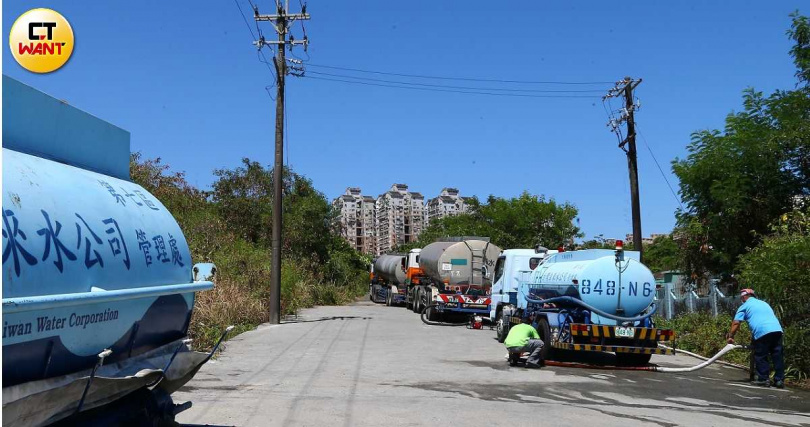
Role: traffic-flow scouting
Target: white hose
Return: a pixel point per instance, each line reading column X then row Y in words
column 719, row 354
column 695, row 355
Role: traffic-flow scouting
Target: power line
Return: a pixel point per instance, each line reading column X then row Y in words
column 450, row 90
column 678, row 199
column 263, row 58
column 471, row 79
column 458, row 87
column 253, row 36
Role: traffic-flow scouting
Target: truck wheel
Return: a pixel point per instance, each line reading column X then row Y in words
column 632, row 359
column 434, row 315
column 417, row 303
column 501, row 328
column 545, row 334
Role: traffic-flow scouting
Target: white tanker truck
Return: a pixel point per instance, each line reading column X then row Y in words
column 451, row 276
column 388, row 280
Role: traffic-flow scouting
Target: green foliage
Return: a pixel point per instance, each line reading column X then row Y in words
column 231, row 227
column 735, row 182
column 663, row 254
column 800, row 33
column 597, row 242
column 704, row 334
column 779, row 268
column 519, row 222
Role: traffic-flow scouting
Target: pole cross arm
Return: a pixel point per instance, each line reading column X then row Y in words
column 288, row 17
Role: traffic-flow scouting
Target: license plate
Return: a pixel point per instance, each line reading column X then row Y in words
column 625, row 332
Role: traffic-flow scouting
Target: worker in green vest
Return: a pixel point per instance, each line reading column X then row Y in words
column 524, row 338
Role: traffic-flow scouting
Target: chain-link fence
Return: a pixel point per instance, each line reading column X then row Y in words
column 671, row 305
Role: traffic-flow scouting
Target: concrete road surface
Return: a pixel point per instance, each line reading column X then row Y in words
column 371, row 365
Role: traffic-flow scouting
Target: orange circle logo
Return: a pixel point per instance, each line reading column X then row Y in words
column 41, row 40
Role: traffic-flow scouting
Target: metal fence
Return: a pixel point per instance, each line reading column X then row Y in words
column 671, row 305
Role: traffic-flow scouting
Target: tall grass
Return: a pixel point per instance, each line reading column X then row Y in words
column 704, row 334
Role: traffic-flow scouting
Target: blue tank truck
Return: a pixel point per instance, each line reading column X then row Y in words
column 98, row 285
column 597, row 300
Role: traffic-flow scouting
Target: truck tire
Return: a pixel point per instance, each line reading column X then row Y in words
column 412, row 295
column 417, row 302
column 388, row 297
column 545, row 334
column 632, row 359
column 433, row 314
column 501, row 328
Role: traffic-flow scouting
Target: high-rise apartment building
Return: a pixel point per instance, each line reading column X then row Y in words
column 400, row 217
column 447, row 203
column 356, row 220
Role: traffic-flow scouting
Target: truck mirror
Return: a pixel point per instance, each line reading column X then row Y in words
column 485, row 271
column 204, row 271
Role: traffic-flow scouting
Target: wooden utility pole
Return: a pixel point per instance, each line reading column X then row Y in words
column 624, row 88
column 632, row 167
column 281, row 21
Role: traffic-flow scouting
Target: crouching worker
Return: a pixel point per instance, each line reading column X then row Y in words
column 524, row 338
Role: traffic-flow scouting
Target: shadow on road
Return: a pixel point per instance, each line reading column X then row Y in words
column 323, row 319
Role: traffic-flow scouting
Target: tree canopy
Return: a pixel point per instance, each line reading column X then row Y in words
column 519, row 222
column 734, row 182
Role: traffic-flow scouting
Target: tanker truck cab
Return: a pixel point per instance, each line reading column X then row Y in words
column 591, row 300
column 512, row 267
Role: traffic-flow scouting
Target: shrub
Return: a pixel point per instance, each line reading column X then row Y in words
column 318, row 267
column 704, row 334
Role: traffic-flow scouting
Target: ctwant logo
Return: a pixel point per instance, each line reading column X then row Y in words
column 41, row 40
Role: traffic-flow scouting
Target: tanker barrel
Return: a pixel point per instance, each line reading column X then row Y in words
column 466, row 262
column 593, row 276
column 389, row 267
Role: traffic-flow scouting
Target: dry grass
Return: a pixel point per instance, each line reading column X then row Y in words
column 231, row 304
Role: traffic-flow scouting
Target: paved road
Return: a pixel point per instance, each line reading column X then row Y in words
column 371, row 365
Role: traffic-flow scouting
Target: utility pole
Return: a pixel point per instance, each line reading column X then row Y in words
column 624, row 88
column 281, row 22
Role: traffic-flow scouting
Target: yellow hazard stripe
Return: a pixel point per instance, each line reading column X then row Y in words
column 615, row 349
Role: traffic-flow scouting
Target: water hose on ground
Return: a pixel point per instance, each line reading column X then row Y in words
column 706, row 363
column 722, row 362
column 432, row 323
column 652, row 368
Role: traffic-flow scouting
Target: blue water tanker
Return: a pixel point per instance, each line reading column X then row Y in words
column 98, row 281
column 586, row 300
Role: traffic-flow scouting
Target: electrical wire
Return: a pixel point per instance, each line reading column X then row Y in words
column 418, row 76
column 457, row 87
column 450, row 90
column 245, row 19
column 260, row 54
column 659, row 167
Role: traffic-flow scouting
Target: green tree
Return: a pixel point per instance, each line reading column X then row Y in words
column 779, row 270
column 735, row 182
column 662, row 254
column 519, row 222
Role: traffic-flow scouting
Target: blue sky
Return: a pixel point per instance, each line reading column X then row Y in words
column 184, row 79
